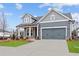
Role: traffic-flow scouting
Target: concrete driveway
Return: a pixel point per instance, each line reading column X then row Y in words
column 37, row 48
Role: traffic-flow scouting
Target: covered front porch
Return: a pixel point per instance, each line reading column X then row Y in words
column 27, row 31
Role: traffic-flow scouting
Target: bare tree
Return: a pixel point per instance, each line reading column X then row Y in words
column 1, row 22
column 4, row 25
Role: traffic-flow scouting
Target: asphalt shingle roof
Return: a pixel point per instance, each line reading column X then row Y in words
column 68, row 15
column 38, row 18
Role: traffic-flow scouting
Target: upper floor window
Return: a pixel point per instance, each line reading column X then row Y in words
column 27, row 20
column 52, row 17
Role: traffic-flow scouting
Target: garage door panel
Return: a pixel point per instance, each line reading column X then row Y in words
column 53, row 33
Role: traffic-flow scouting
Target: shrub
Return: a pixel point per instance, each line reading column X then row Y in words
column 74, row 34
column 13, row 37
column 37, row 38
column 27, row 38
column 69, row 39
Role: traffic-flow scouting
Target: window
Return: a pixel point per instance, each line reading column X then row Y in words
column 52, row 17
column 27, row 19
column 24, row 20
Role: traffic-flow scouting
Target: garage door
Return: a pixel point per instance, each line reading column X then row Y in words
column 54, row 33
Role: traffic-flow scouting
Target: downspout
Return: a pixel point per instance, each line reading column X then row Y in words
column 70, row 24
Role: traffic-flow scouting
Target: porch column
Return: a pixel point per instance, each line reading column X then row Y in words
column 37, row 30
column 18, row 34
column 34, row 34
column 29, row 31
column 25, row 32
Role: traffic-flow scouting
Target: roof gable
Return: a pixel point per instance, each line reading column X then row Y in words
column 24, row 15
column 61, row 15
column 68, row 15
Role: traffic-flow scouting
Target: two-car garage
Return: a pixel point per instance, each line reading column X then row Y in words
column 53, row 33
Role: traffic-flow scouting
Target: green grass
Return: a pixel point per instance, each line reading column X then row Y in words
column 73, row 46
column 14, row 43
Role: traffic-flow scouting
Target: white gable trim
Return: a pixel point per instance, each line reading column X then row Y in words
column 62, row 15
column 54, row 21
column 23, row 16
column 44, row 16
column 56, row 12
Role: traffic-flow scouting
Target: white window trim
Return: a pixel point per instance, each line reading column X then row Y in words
column 53, row 27
column 52, row 17
column 27, row 20
column 53, row 21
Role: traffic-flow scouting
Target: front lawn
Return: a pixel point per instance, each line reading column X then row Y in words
column 13, row 43
column 73, row 46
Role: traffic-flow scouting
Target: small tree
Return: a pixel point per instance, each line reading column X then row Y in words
column 3, row 23
column 13, row 37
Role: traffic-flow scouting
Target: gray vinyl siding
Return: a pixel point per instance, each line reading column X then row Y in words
column 57, row 16
column 56, row 24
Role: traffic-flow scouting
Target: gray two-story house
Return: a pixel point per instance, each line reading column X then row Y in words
column 52, row 25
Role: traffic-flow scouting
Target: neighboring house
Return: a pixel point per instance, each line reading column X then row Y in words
column 77, row 31
column 5, row 33
column 53, row 25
